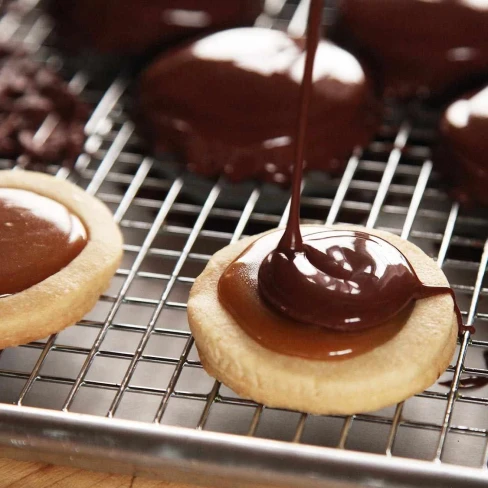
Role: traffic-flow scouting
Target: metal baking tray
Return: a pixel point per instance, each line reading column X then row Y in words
column 123, row 390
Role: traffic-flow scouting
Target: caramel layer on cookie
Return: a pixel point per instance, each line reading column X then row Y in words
column 38, row 237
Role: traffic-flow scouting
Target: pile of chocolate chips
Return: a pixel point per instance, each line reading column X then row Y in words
column 41, row 121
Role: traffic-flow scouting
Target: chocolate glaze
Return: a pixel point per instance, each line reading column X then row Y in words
column 29, row 93
column 463, row 147
column 420, row 47
column 132, row 26
column 331, row 284
column 38, row 237
column 228, row 104
column 239, row 294
column 341, row 280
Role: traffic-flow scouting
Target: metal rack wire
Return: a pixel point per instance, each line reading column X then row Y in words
column 133, row 356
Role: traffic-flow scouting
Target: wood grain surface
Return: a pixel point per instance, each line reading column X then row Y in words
column 16, row 474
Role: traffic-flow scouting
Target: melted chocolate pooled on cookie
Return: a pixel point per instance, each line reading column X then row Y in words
column 239, row 292
column 463, row 147
column 38, row 237
column 41, row 121
column 341, row 280
column 332, row 280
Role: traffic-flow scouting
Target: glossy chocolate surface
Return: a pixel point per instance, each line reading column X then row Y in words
column 340, row 279
column 463, row 147
column 239, row 294
column 228, row 104
column 132, row 26
column 421, row 47
column 38, row 237
column 41, row 121
column 343, row 280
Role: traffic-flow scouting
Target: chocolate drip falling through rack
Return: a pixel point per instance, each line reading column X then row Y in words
column 133, row 356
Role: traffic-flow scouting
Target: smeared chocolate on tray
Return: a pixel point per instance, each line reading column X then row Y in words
column 131, row 27
column 418, row 47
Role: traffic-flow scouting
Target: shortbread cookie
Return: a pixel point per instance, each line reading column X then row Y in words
column 68, row 272
column 406, row 364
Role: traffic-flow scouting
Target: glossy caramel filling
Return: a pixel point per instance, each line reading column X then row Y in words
column 38, row 238
column 239, row 294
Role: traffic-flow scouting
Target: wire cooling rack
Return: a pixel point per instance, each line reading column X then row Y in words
column 131, row 362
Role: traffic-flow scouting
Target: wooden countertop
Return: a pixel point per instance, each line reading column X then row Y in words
column 16, row 474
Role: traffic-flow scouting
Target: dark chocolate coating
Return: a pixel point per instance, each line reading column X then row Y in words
column 340, row 279
column 422, row 47
column 463, row 147
column 132, row 26
column 29, row 93
column 229, row 103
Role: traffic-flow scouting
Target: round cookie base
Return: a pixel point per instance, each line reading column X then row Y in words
column 407, row 364
column 65, row 297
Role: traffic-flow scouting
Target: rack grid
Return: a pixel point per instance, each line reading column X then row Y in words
column 133, row 358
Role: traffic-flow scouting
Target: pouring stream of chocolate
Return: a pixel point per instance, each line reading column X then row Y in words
column 326, row 281
column 292, row 238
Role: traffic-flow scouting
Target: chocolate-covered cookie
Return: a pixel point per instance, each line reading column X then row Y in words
column 228, row 104
column 463, row 146
column 425, row 48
